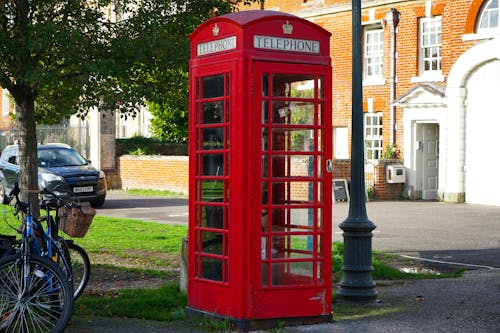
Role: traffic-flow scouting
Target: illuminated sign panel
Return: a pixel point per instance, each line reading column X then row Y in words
column 286, row 44
column 216, row 46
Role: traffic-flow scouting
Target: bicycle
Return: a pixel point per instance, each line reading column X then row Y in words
column 74, row 254
column 35, row 294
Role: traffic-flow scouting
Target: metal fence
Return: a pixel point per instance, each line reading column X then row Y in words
column 75, row 136
column 369, row 174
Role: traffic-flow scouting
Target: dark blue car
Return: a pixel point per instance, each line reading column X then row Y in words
column 61, row 170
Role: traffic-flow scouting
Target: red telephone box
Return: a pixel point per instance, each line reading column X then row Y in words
column 260, row 170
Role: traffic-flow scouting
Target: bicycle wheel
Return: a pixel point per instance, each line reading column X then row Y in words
column 40, row 302
column 80, row 267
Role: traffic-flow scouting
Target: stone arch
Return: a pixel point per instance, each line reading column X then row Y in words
column 466, row 64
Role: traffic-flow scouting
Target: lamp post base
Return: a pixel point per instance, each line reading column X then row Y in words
column 357, row 284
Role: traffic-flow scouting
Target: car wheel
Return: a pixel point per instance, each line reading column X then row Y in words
column 2, row 194
column 98, row 202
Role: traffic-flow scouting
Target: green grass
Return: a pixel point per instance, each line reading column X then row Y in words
column 160, row 193
column 164, row 304
column 119, row 236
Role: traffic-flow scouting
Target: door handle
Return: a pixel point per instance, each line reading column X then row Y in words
column 329, row 166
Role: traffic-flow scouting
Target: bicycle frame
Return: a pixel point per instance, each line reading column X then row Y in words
column 29, row 244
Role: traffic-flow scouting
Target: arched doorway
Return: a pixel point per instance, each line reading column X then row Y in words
column 482, row 119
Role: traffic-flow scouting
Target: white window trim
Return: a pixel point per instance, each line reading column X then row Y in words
column 483, row 33
column 373, row 79
column 432, row 75
column 485, row 9
column 373, row 138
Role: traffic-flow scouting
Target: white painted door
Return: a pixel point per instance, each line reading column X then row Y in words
column 482, row 158
column 430, row 161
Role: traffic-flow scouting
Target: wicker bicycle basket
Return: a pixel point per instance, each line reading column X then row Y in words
column 75, row 222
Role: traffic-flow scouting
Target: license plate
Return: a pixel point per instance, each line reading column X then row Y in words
column 83, row 189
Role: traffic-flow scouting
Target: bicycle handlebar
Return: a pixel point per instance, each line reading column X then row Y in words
column 55, row 202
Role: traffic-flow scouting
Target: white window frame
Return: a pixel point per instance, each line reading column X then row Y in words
column 122, row 128
column 373, row 135
column 145, row 122
column 5, row 103
column 373, row 56
column 489, row 16
column 430, row 33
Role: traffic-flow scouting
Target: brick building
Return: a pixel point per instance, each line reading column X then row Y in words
column 431, row 88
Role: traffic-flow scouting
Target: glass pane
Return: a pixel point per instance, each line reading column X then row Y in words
column 213, row 216
column 265, row 194
column 320, row 166
column 292, row 165
column 265, row 112
column 265, row 84
column 291, row 192
column 292, row 219
column 264, row 166
column 213, row 164
column 213, row 112
column 212, row 190
column 293, row 273
column 211, row 268
column 213, row 138
column 320, row 87
column 291, row 247
column 320, row 114
column 291, row 139
column 264, row 220
column 264, row 275
column 293, row 85
column 294, row 113
column 212, row 242
column 213, row 86
column 265, row 138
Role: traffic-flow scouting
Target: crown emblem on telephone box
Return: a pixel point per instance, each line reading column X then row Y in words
column 215, row 30
column 287, row 28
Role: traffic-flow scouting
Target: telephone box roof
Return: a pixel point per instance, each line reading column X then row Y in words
column 250, row 17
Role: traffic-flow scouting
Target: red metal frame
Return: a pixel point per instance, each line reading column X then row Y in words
column 260, row 196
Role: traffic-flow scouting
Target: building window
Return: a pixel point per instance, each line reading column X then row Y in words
column 5, row 103
column 490, row 16
column 373, row 55
column 122, row 128
column 430, row 45
column 373, row 135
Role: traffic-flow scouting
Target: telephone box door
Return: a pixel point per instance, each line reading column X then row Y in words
column 291, row 245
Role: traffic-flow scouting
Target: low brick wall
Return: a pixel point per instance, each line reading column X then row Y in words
column 158, row 172
column 382, row 189
column 154, row 172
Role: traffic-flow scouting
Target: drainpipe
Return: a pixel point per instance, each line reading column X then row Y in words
column 392, row 19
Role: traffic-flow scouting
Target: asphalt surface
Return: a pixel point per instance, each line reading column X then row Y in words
column 456, row 235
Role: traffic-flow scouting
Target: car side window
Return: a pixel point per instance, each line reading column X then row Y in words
column 12, row 159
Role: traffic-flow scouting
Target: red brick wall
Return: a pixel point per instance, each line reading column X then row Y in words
column 154, row 172
column 459, row 18
column 383, row 190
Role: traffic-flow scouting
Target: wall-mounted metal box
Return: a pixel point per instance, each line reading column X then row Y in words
column 395, row 174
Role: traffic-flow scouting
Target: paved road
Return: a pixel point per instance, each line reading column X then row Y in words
column 462, row 233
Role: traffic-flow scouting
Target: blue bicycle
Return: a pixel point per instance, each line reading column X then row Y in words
column 36, row 295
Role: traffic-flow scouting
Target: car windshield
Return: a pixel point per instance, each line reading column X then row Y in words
column 51, row 158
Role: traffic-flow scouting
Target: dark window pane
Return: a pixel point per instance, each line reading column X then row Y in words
column 213, row 86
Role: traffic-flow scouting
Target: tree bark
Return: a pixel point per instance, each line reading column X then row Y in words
column 28, row 152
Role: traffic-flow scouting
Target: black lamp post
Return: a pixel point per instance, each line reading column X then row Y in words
column 357, row 283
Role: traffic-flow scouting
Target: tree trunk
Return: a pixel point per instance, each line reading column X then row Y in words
column 28, row 156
